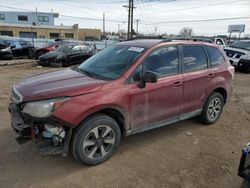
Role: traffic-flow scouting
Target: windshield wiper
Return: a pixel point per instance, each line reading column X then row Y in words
column 90, row 74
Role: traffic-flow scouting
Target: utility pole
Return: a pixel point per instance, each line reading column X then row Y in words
column 155, row 30
column 137, row 24
column 103, row 25
column 130, row 17
column 129, row 11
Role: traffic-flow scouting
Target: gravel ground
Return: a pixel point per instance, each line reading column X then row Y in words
column 184, row 155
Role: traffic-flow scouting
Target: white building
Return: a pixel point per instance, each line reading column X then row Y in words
column 30, row 18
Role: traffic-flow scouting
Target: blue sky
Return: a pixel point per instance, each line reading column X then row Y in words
column 151, row 13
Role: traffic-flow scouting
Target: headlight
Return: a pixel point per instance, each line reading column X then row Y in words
column 42, row 109
column 247, row 56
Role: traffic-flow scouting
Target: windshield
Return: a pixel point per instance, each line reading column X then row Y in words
column 242, row 45
column 65, row 49
column 111, row 62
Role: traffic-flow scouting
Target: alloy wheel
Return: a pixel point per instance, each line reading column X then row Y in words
column 99, row 142
column 214, row 109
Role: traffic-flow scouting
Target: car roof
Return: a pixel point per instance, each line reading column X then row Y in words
column 148, row 43
column 145, row 43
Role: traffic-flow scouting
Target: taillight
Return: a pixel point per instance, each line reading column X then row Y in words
column 231, row 70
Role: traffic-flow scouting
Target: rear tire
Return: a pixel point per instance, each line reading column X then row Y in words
column 212, row 108
column 96, row 139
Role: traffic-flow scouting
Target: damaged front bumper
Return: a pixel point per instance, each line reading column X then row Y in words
column 244, row 167
column 49, row 136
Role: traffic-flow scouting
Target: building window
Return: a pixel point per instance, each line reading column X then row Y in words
column 2, row 17
column 43, row 18
column 69, row 35
column 22, row 18
column 6, row 33
column 23, row 34
column 54, row 35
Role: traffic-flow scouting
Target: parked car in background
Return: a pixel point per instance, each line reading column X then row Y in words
column 239, row 55
column 244, row 166
column 65, row 55
column 51, row 46
column 127, row 88
column 5, row 51
column 20, row 48
column 219, row 41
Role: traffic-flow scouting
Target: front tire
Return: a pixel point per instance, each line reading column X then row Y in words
column 96, row 140
column 212, row 108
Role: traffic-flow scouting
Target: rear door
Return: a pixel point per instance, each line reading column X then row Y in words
column 196, row 78
column 158, row 103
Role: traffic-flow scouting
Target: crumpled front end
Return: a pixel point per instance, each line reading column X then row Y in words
column 48, row 133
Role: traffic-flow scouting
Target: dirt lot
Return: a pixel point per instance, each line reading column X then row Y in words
column 184, row 155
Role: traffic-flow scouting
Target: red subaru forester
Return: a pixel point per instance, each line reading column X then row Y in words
column 127, row 88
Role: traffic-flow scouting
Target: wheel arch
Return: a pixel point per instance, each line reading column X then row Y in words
column 223, row 92
column 115, row 112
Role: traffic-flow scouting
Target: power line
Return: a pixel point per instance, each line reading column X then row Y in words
column 145, row 25
column 143, row 19
column 198, row 7
column 92, row 19
column 205, row 20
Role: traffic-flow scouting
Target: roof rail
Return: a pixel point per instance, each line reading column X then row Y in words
column 187, row 39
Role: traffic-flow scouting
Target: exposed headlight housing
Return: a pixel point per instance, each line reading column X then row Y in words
column 5, row 49
column 43, row 109
column 247, row 56
column 59, row 57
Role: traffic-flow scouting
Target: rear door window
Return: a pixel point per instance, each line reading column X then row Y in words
column 215, row 56
column 194, row 58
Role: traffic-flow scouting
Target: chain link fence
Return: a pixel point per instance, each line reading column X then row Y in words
column 37, row 43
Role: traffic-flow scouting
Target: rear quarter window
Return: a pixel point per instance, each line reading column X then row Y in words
column 215, row 56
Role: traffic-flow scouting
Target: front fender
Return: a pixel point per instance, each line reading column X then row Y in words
column 80, row 107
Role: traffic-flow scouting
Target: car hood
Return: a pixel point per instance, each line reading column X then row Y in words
column 52, row 54
column 55, row 84
column 237, row 50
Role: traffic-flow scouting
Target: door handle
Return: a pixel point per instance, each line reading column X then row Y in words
column 211, row 75
column 177, row 84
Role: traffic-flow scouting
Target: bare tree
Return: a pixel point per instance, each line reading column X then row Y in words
column 186, row 32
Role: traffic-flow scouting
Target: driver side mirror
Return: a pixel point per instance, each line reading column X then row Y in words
column 148, row 77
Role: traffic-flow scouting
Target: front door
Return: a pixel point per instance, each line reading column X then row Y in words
column 158, row 103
